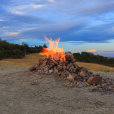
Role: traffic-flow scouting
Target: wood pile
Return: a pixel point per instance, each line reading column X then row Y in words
column 67, row 69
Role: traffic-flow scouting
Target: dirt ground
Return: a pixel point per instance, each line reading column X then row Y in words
column 49, row 95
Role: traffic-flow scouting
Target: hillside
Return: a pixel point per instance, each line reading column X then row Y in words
column 33, row 59
column 14, row 51
column 10, row 50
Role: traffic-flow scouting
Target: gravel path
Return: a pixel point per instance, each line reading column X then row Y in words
column 24, row 92
column 11, row 69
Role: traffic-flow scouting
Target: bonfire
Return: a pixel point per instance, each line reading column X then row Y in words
column 63, row 64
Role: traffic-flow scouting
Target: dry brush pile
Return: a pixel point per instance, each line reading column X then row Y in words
column 68, row 69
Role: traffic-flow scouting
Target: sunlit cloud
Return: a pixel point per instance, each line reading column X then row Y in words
column 90, row 51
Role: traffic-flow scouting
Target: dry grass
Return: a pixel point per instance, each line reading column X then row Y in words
column 33, row 59
column 95, row 67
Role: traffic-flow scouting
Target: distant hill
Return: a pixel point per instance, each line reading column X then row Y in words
column 91, row 58
column 18, row 51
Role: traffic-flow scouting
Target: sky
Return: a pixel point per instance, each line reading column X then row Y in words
column 81, row 25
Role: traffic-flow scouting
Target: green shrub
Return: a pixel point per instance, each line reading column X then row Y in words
column 1, row 51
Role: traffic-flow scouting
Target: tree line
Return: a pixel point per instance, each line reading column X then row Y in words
column 91, row 58
column 9, row 50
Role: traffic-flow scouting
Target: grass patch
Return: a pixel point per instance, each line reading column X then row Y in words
column 105, row 70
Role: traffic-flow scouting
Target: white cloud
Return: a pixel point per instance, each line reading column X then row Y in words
column 112, row 29
column 23, row 40
column 22, row 9
column 76, row 41
column 37, row 6
column 12, row 33
column 5, row 27
column 1, row 20
column 62, row 25
column 17, row 12
column 51, row 0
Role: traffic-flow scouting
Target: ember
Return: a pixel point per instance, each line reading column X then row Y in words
column 64, row 65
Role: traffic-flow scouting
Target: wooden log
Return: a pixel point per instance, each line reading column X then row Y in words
column 55, row 70
column 83, row 74
column 59, row 73
column 51, row 70
column 59, row 67
column 56, row 57
column 70, row 77
column 45, row 69
column 33, row 68
column 74, row 70
column 55, row 62
column 63, row 75
column 94, row 80
column 64, row 67
column 74, row 75
column 41, row 61
column 44, row 63
column 66, row 63
column 84, row 69
column 73, row 60
column 69, row 56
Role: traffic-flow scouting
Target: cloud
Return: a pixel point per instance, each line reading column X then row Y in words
column 37, row 6
column 51, row 0
column 76, row 42
column 17, row 22
column 1, row 20
column 11, row 33
column 109, row 51
column 97, row 7
column 72, row 7
column 55, row 30
column 23, row 40
column 23, row 9
column 74, row 20
column 91, row 51
column 29, row 19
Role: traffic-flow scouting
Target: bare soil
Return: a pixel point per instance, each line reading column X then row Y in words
column 25, row 92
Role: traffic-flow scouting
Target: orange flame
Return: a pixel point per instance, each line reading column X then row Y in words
column 53, row 49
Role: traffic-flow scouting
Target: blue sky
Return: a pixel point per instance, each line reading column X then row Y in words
column 82, row 25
